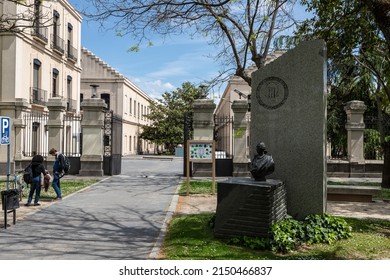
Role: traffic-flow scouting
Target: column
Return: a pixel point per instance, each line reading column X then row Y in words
column 203, row 121
column 55, row 123
column 355, row 130
column 92, row 127
column 203, row 124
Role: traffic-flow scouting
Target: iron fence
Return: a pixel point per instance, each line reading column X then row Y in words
column 35, row 134
column 72, row 141
column 223, row 129
column 376, row 131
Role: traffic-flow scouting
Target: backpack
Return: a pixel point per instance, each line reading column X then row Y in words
column 27, row 175
column 66, row 164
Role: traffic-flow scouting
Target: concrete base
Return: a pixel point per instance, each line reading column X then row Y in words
column 248, row 208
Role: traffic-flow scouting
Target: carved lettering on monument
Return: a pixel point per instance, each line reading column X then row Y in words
column 271, row 93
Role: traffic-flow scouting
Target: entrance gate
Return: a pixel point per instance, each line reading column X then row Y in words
column 223, row 127
column 112, row 139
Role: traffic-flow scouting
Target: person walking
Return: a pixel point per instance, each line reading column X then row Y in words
column 58, row 172
column 37, row 168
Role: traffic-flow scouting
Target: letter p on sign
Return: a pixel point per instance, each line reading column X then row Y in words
column 5, row 127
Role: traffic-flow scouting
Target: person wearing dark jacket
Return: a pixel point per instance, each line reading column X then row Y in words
column 58, row 172
column 37, row 168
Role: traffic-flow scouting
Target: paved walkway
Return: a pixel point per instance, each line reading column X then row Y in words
column 119, row 218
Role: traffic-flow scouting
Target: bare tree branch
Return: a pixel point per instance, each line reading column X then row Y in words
column 241, row 30
column 22, row 20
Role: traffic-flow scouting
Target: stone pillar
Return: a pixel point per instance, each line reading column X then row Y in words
column 21, row 106
column 203, row 124
column 203, row 121
column 55, row 123
column 13, row 110
column 240, row 159
column 355, row 130
column 92, row 127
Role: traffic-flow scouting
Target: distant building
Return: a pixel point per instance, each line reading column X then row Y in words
column 122, row 96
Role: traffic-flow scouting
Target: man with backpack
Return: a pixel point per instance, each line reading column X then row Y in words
column 58, row 171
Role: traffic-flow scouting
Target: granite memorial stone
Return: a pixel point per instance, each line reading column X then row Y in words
column 288, row 112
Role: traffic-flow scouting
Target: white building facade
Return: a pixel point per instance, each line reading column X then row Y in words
column 39, row 64
column 122, row 96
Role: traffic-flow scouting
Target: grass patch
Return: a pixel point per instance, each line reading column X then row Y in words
column 197, row 187
column 384, row 195
column 191, row 238
column 67, row 188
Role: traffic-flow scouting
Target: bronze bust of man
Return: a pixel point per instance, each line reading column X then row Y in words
column 262, row 164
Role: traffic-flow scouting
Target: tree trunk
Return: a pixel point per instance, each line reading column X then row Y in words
column 386, row 166
column 381, row 12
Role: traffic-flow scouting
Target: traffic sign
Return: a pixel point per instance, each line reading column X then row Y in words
column 5, row 128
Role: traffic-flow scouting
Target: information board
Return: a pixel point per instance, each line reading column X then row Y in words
column 200, row 151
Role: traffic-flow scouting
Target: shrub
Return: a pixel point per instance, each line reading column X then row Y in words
column 287, row 234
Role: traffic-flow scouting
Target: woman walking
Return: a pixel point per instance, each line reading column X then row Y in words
column 37, row 169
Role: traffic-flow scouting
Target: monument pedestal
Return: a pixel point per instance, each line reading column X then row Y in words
column 246, row 207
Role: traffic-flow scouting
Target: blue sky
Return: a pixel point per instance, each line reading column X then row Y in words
column 157, row 69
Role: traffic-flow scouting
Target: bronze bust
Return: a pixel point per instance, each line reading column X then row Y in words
column 262, row 164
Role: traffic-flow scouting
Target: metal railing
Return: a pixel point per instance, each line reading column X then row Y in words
column 223, row 128
column 40, row 33
column 38, row 96
column 57, row 43
column 71, row 52
column 71, row 105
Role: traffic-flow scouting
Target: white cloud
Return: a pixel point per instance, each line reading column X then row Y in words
column 154, row 88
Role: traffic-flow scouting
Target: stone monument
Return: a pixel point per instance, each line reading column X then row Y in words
column 248, row 207
column 288, row 112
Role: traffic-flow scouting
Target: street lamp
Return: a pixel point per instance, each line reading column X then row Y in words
column 94, row 91
column 203, row 89
column 248, row 97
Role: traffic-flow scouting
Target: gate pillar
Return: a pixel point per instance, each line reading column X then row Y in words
column 92, row 126
column 203, row 121
column 203, row 124
column 355, row 130
column 240, row 158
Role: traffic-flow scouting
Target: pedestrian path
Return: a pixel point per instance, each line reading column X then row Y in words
column 118, row 218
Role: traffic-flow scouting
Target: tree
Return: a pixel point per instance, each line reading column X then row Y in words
column 241, row 30
column 167, row 116
column 381, row 11
column 19, row 16
column 359, row 60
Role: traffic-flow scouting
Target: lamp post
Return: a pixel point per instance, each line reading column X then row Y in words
column 94, row 90
column 248, row 97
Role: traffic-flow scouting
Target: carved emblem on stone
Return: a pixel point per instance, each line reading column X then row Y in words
column 271, row 93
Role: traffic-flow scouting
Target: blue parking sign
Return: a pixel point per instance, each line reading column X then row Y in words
column 5, row 127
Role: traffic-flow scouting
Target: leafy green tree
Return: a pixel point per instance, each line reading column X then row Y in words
column 359, row 58
column 167, row 116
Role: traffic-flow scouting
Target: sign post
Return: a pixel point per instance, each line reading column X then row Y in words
column 5, row 128
column 200, row 151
